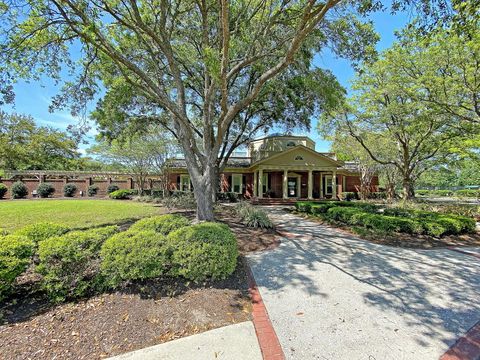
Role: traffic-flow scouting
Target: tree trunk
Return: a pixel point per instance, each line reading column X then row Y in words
column 204, row 189
column 204, row 197
column 390, row 187
column 408, row 192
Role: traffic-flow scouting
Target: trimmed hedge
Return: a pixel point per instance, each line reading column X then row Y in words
column 321, row 207
column 111, row 188
column 42, row 231
column 44, row 190
column 163, row 224
column 19, row 190
column 70, row 264
column 132, row 256
column 3, row 190
column 15, row 256
column 391, row 219
column 471, row 193
column 202, row 251
column 122, row 194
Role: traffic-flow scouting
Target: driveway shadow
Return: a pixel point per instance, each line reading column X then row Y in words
column 436, row 292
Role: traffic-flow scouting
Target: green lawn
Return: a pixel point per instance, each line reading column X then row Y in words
column 72, row 213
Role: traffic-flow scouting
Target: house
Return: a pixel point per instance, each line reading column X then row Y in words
column 280, row 166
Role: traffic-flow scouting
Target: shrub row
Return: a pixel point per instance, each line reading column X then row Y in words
column 397, row 220
column 79, row 263
column 321, row 207
column 44, row 190
column 448, row 193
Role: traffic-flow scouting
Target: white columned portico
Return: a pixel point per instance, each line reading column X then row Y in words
column 310, row 184
column 260, row 183
column 255, row 185
column 334, row 185
column 285, row 184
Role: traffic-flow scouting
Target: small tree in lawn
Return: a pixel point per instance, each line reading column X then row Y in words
column 139, row 153
column 349, row 150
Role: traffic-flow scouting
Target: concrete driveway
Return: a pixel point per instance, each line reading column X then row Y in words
column 333, row 296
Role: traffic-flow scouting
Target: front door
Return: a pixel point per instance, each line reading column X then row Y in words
column 292, row 187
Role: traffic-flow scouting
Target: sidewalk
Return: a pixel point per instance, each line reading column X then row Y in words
column 231, row 342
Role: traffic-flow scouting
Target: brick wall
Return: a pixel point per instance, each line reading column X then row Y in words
column 82, row 185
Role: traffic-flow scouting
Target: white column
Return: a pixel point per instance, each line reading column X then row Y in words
column 260, row 183
column 285, row 184
column 321, row 185
column 255, row 184
column 334, row 185
column 310, row 184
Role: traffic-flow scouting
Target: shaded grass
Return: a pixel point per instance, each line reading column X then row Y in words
column 75, row 214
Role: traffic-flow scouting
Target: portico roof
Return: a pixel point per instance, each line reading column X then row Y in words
column 299, row 155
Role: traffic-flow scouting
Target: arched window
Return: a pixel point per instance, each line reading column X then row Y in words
column 291, row 144
column 298, row 158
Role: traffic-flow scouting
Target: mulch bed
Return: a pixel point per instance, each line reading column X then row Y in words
column 405, row 240
column 249, row 239
column 141, row 315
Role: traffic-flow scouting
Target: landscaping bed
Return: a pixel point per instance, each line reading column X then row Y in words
column 395, row 226
column 103, row 291
column 249, row 239
column 140, row 315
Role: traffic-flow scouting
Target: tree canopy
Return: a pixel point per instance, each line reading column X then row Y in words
column 26, row 146
column 198, row 67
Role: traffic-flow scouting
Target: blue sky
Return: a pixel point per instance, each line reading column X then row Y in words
column 34, row 98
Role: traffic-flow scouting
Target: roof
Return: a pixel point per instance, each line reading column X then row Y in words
column 296, row 148
column 277, row 135
column 233, row 162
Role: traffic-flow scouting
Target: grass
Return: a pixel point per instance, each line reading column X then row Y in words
column 72, row 213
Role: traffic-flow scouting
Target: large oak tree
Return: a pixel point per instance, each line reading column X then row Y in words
column 202, row 64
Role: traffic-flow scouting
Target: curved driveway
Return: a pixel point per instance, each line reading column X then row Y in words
column 332, row 296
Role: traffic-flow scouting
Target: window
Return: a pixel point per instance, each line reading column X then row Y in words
column 237, row 183
column 184, row 183
column 265, row 183
column 328, row 185
column 291, row 144
column 298, row 158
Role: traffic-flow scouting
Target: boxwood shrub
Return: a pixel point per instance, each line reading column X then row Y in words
column 15, row 255
column 132, row 256
column 163, row 224
column 69, row 190
column 92, row 190
column 122, row 194
column 42, row 231
column 19, row 190
column 111, row 188
column 201, row 251
column 70, row 264
column 3, row 190
column 44, row 190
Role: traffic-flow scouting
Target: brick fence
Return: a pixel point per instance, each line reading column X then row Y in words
column 123, row 181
